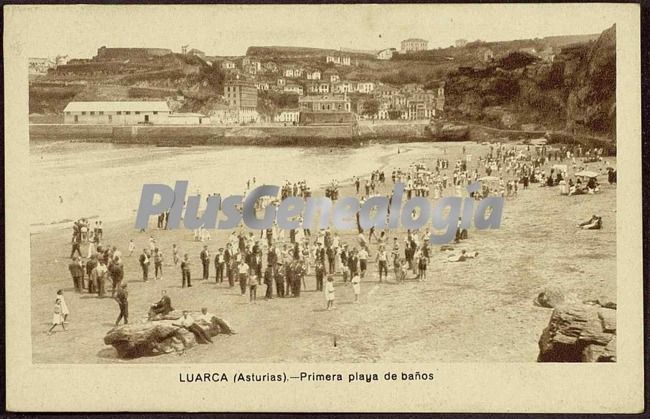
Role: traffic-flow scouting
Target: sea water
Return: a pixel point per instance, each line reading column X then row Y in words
column 69, row 180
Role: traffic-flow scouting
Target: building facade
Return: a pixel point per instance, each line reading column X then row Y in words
column 324, row 103
column 117, row 113
column 288, row 116
column 414, row 45
column 385, row 54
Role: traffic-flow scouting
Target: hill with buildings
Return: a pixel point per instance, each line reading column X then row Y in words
column 558, row 82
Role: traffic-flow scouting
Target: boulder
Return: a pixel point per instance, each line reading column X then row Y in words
column 158, row 337
column 550, row 298
column 579, row 333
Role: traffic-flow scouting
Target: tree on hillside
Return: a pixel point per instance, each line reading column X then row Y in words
column 371, row 107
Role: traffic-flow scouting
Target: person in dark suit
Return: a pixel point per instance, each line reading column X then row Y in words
column 76, row 271
column 320, row 274
column 219, row 264
column 122, row 298
column 185, row 271
column 268, row 281
column 144, row 264
column 164, row 306
column 76, row 243
column 279, row 280
column 205, row 261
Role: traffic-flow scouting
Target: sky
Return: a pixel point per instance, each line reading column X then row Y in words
column 79, row 31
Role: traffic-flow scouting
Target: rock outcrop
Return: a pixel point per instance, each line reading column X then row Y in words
column 579, row 333
column 575, row 92
column 159, row 336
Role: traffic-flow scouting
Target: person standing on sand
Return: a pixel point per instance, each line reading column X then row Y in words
column 175, row 254
column 131, row 247
column 205, row 262
column 116, row 271
column 76, row 245
column 122, row 299
column 330, row 292
column 356, row 286
column 252, row 287
column 242, row 270
column 157, row 262
column 185, row 271
column 60, row 312
column 144, row 264
column 219, row 266
column 382, row 262
column 76, row 271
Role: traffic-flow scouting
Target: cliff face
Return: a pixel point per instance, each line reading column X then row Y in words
column 576, row 92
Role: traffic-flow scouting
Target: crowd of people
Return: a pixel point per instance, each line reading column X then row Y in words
column 276, row 263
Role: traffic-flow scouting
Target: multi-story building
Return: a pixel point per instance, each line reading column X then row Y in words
column 228, row 65
column 414, row 45
column 325, row 103
column 365, row 87
column 241, row 95
column 293, row 88
column 324, row 87
column 246, row 61
column 313, row 75
column 343, row 87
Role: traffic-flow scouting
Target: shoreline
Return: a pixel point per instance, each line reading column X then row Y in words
column 487, row 301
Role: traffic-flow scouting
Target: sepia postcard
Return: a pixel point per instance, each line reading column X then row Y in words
column 320, row 208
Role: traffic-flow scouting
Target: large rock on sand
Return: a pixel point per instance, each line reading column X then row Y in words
column 579, row 333
column 156, row 337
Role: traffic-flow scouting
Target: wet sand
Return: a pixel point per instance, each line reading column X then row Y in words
column 478, row 311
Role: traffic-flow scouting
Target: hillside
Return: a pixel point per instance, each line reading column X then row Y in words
column 154, row 78
column 576, row 92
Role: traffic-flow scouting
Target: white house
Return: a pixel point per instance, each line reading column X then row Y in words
column 117, row 113
column 313, row 75
column 288, row 115
column 293, row 88
column 228, row 65
column 338, row 59
column 365, row 87
column 385, row 54
column 323, row 88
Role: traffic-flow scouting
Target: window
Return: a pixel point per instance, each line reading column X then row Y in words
column 101, row 112
column 137, row 112
column 83, row 113
column 155, row 112
column 68, row 113
column 119, row 112
column 127, row 113
column 92, row 112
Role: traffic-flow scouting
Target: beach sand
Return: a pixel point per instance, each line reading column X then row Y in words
column 478, row 311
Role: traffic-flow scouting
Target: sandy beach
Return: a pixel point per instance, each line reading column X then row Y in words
column 478, row 311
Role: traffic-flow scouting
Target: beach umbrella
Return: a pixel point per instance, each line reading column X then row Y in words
column 587, row 173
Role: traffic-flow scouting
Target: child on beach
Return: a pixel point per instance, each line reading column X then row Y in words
column 330, row 292
column 356, row 286
column 252, row 280
column 60, row 312
column 175, row 254
column 131, row 247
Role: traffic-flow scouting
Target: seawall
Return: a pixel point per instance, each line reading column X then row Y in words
column 184, row 135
